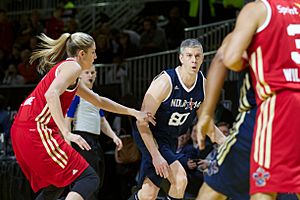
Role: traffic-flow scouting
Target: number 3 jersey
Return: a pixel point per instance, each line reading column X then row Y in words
column 177, row 112
column 274, row 53
column 275, row 65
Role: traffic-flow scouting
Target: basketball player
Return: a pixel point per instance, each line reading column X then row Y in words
column 175, row 97
column 269, row 32
column 39, row 129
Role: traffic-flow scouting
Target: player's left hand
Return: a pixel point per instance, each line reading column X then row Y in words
column 145, row 117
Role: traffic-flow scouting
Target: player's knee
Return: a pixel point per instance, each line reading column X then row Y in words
column 263, row 196
column 95, row 181
column 180, row 182
column 87, row 183
column 148, row 193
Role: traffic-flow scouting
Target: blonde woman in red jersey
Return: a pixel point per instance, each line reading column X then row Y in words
column 39, row 130
column 269, row 31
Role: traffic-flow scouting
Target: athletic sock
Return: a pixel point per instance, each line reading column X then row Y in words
column 171, row 198
column 134, row 196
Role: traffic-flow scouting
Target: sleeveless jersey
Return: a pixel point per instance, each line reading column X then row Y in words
column 35, row 109
column 176, row 114
column 43, row 155
column 275, row 62
column 274, row 52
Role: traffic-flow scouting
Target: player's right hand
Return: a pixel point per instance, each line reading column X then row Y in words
column 161, row 166
column 78, row 140
column 205, row 126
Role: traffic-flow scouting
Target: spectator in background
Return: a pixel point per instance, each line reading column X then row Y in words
column 128, row 48
column 36, row 27
column 72, row 25
column 134, row 36
column 175, row 28
column 33, row 43
column 4, row 118
column 12, row 77
column 2, row 65
column 224, row 127
column 190, row 161
column 104, row 49
column 23, row 32
column 15, row 56
column 55, row 25
column 153, row 39
column 27, row 70
column 6, row 33
column 183, row 140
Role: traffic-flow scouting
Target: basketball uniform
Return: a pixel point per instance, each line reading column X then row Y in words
column 233, row 157
column 43, row 155
column 173, row 118
column 275, row 65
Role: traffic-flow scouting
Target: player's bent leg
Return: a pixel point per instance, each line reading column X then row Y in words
column 85, row 185
column 49, row 193
column 149, row 190
column 178, row 180
column 263, row 196
column 207, row 193
column 74, row 196
column 298, row 196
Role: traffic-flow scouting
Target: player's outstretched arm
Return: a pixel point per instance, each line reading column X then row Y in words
column 111, row 106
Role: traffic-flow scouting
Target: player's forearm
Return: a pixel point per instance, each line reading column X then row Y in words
column 54, row 104
column 106, row 128
column 112, row 106
column 68, row 121
column 148, row 139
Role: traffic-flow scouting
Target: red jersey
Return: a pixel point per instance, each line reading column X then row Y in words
column 35, row 107
column 43, row 155
column 274, row 54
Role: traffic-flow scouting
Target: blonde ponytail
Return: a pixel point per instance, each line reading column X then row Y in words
column 52, row 51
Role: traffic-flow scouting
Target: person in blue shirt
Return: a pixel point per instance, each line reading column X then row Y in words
column 89, row 121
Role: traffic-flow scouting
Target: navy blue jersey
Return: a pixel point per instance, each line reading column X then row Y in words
column 232, row 178
column 173, row 118
column 247, row 96
column 176, row 114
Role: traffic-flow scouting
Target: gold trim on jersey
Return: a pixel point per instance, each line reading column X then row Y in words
column 231, row 139
column 244, row 108
column 263, row 137
column 262, row 87
column 49, row 142
column 244, row 104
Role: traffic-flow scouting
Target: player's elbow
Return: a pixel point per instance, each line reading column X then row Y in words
column 233, row 61
column 51, row 95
